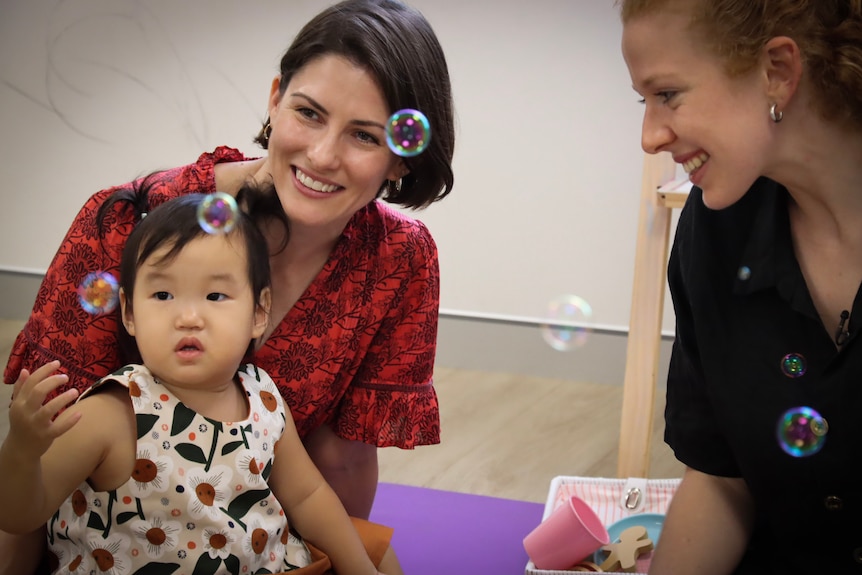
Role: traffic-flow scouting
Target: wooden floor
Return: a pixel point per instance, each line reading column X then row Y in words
column 504, row 435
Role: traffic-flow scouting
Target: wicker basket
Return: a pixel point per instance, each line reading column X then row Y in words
column 611, row 499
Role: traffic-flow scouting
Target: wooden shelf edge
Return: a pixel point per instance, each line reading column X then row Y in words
column 674, row 194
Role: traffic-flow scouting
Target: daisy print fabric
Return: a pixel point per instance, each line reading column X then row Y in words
column 197, row 502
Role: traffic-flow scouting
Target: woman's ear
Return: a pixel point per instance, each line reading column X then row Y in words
column 274, row 96
column 126, row 313
column 398, row 171
column 783, row 68
column 261, row 313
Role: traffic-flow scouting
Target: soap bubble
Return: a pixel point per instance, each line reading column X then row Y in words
column 793, row 365
column 98, row 293
column 408, row 132
column 801, row 431
column 562, row 310
column 217, row 213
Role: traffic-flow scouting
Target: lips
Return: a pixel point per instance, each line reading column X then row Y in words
column 189, row 345
column 314, row 184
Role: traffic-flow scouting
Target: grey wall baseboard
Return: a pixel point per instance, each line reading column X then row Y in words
column 465, row 343
column 19, row 292
column 462, row 343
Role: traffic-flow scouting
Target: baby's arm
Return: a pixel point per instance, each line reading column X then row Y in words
column 313, row 507
column 45, row 459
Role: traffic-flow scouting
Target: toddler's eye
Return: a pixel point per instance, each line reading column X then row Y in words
column 215, row 296
column 162, row 295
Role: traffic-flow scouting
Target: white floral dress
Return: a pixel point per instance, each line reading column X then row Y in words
column 197, row 502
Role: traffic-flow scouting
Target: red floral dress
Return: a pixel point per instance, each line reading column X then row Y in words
column 356, row 351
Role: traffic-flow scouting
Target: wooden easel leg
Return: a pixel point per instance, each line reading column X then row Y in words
column 642, row 352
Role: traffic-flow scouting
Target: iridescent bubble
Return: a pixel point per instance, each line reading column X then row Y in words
column 744, row 273
column 98, row 293
column 802, row 431
column 565, row 310
column 217, row 213
column 793, row 365
column 408, row 132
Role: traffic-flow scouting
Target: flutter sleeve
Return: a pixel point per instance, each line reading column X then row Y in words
column 391, row 401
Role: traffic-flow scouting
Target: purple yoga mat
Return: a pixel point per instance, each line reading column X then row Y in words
column 443, row 532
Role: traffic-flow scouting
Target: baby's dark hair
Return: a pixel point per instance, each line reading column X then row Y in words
column 175, row 223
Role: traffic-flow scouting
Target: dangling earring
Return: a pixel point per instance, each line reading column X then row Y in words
column 267, row 131
column 775, row 114
column 398, row 185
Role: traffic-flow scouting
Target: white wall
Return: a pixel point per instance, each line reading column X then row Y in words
column 548, row 159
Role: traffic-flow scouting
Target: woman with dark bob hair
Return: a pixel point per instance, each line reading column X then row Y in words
column 355, row 288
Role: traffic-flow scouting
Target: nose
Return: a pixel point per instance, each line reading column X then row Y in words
column 323, row 152
column 656, row 134
column 189, row 317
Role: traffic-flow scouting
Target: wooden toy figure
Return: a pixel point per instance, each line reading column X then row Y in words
column 623, row 555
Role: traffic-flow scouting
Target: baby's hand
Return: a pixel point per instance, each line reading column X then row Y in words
column 32, row 427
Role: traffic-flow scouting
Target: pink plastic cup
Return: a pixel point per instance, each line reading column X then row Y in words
column 569, row 535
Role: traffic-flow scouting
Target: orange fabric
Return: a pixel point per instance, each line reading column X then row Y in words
column 376, row 538
column 355, row 352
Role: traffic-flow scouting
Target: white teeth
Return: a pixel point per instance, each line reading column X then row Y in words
column 314, row 184
column 695, row 162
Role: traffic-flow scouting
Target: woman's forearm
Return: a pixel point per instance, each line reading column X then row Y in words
column 21, row 554
column 707, row 527
column 22, row 493
column 350, row 468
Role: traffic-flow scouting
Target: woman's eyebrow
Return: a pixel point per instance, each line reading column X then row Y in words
column 318, row 105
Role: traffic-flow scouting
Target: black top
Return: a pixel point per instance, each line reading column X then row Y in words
column 742, row 306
